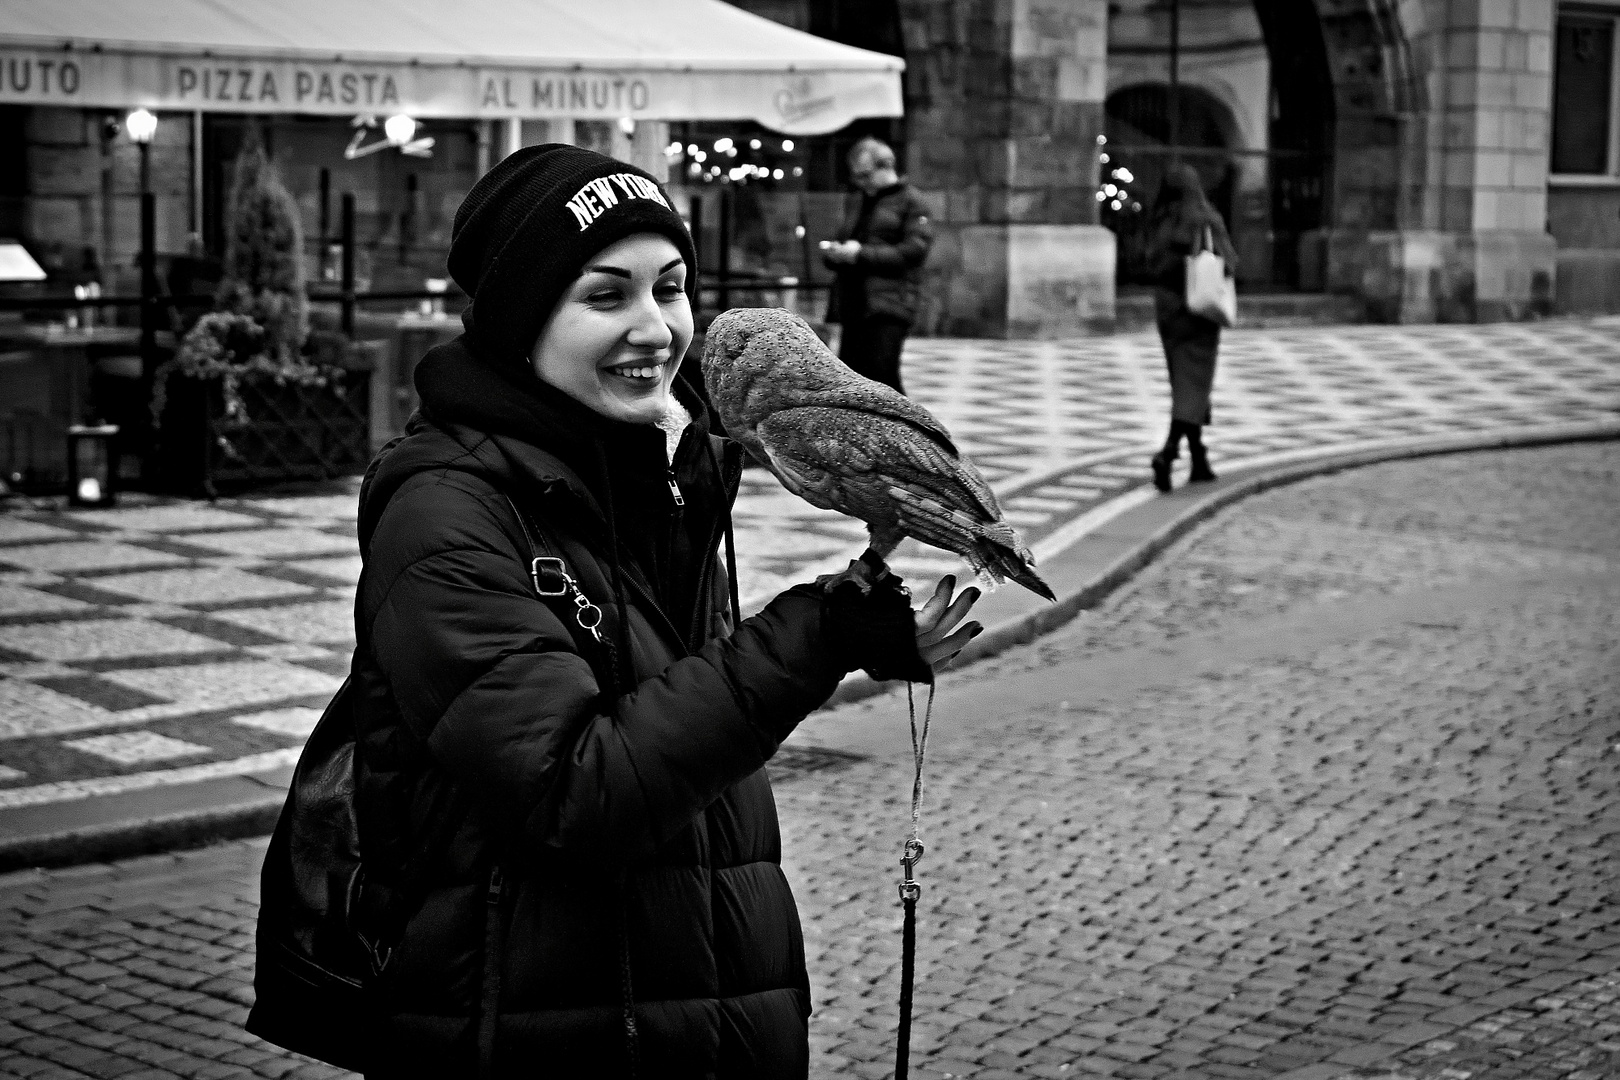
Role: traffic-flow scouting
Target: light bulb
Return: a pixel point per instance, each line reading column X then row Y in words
column 141, row 125
column 400, row 129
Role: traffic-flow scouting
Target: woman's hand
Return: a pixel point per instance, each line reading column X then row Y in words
column 939, row 638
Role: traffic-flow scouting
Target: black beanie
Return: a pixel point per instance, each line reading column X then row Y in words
column 526, row 229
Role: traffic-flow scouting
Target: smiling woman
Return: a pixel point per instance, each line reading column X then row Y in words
column 568, row 837
column 615, row 340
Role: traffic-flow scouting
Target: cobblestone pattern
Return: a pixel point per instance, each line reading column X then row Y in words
column 1390, row 856
column 176, row 618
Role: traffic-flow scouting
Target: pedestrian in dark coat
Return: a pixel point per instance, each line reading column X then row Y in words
column 569, row 843
column 1182, row 218
column 877, row 258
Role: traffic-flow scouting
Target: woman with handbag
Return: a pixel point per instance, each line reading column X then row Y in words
column 1184, row 224
column 568, row 839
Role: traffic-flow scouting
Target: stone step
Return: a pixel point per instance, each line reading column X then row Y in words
column 1134, row 311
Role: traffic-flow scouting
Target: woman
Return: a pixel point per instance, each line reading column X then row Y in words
column 1182, row 219
column 570, row 843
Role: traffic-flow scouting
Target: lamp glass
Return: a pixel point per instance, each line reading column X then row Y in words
column 92, row 465
column 141, row 125
column 400, row 129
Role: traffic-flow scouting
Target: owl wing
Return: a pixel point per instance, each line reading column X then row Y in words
column 852, row 461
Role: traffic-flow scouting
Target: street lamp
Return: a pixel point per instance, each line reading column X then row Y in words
column 142, row 125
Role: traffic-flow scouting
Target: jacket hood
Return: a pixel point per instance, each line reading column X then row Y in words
column 520, row 434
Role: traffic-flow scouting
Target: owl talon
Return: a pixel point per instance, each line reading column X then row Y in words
column 858, row 571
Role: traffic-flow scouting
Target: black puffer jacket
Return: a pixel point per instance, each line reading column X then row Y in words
column 642, row 828
column 886, row 278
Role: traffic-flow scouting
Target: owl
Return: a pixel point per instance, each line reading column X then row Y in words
column 846, row 443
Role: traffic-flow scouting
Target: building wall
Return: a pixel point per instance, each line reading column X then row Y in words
column 1004, row 106
column 83, row 190
column 1443, row 214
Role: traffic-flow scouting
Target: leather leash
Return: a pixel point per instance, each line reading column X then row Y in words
column 910, row 890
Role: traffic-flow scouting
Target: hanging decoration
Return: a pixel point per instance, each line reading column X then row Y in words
column 398, row 131
column 739, row 159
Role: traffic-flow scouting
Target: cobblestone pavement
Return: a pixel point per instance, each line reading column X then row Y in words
column 1328, row 789
column 166, row 642
column 1327, row 792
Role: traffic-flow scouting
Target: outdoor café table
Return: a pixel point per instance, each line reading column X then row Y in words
column 45, row 387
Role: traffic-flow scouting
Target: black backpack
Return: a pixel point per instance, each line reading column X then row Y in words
column 313, row 961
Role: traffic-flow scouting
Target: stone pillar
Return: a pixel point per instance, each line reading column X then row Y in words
column 1005, row 105
column 1470, row 242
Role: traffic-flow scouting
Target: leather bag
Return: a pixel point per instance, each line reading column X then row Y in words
column 1211, row 292
column 313, row 955
column 308, row 981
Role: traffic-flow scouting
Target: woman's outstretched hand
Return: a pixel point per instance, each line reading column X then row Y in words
column 939, row 637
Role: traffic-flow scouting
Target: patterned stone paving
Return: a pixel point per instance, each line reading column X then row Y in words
column 166, row 641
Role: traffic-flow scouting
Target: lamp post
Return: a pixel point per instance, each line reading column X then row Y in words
column 142, row 125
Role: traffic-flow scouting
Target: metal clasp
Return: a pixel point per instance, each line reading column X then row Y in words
column 587, row 614
column 550, row 576
column 909, row 889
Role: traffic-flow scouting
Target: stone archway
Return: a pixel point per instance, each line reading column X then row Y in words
column 1361, row 51
column 1138, row 130
column 1437, row 201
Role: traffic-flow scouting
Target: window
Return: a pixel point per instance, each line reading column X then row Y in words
column 1584, row 84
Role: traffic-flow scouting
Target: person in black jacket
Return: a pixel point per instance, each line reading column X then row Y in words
column 1183, row 222
column 569, row 843
column 877, row 258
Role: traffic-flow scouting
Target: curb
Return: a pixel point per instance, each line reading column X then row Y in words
column 145, row 836
column 256, row 816
column 1026, row 627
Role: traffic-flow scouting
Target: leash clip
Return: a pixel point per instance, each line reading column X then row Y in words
column 909, row 889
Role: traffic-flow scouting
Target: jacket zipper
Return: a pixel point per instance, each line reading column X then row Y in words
column 674, row 488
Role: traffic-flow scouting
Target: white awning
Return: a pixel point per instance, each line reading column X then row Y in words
column 485, row 59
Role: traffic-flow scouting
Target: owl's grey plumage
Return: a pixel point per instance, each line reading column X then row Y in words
column 846, row 443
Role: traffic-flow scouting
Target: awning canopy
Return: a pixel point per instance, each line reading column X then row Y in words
column 585, row 59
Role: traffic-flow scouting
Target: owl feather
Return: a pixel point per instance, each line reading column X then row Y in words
column 843, row 442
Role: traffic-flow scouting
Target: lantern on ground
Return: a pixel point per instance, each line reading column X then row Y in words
column 92, row 461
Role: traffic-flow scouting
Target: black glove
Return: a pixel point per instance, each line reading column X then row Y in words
column 872, row 627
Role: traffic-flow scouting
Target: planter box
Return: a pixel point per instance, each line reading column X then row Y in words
column 290, row 432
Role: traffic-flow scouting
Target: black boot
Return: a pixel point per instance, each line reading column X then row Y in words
column 1161, row 460
column 1201, row 472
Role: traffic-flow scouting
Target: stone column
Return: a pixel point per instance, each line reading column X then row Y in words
column 1005, row 100
column 1471, row 241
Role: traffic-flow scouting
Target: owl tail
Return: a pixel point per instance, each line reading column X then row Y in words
column 1011, row 566
column 1009, row 562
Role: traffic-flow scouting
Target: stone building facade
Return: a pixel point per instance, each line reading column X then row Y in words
column 1450, row 160
column 1408, row 140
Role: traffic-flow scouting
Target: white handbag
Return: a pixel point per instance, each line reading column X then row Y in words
column 1211, row 292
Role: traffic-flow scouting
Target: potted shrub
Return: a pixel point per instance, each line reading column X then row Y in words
column 248, row 396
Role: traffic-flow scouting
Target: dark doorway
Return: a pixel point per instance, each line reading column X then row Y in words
column 1265, row 171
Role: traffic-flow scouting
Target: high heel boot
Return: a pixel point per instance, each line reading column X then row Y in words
column 1161, row 461
column 1201, row 472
